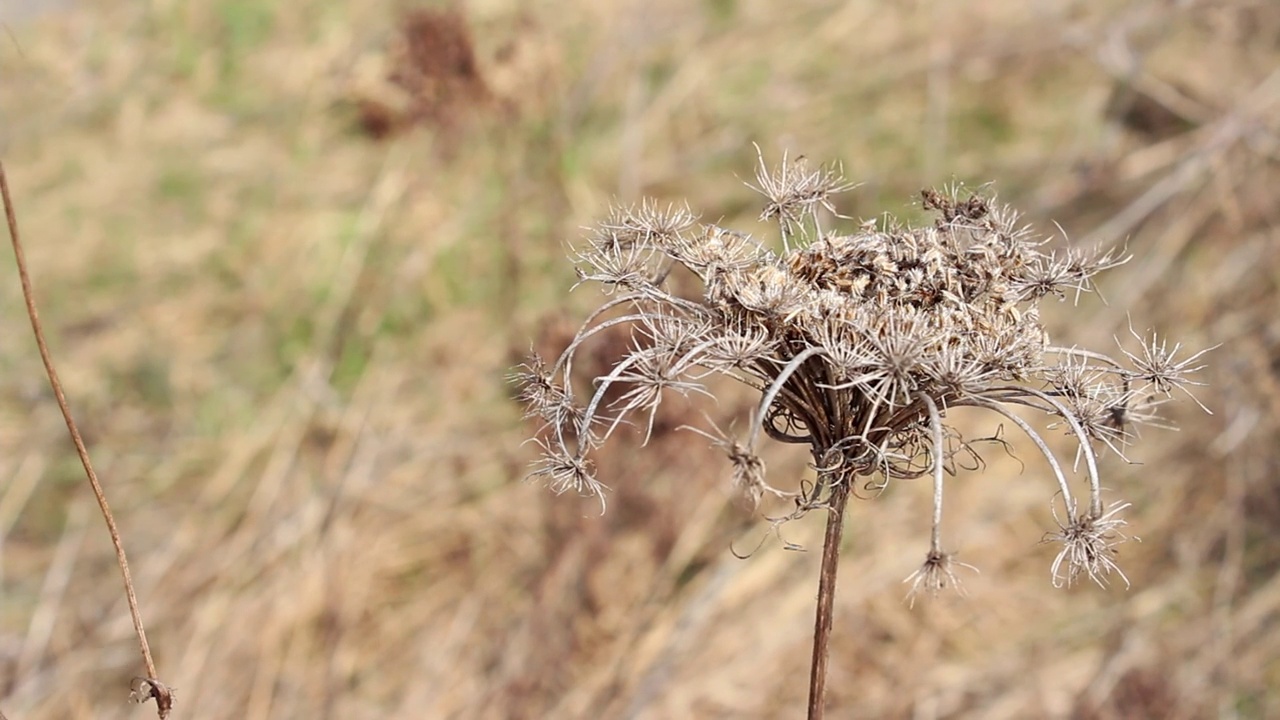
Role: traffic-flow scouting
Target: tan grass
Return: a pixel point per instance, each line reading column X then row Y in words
column 287, row 345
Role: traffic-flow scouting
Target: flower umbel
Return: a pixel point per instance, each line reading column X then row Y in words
column 858, row 345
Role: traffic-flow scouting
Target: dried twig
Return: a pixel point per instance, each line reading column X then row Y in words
column 143, row 688
column 825, row 613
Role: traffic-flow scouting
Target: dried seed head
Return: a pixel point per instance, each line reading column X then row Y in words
column 648, row 225
column 935, row 574
column 564, row 471
column 858, row 345
column 1089, row 547
column 543, row 397
column 1155, row 365
column 795, row 192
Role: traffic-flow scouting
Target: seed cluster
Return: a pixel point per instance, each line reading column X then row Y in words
column 858, row 345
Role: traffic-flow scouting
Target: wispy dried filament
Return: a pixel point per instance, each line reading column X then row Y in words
column 858, row 346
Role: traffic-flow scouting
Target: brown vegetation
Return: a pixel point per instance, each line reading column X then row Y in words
column 434, row 72
column 287, row 348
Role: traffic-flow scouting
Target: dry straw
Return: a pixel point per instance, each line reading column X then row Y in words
column 858, row 346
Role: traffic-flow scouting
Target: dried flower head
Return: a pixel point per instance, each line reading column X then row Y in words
column 935, row 574
column 1088, row 546
column 858, row 346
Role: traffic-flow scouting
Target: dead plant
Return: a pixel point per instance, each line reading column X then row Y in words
column 858, row 345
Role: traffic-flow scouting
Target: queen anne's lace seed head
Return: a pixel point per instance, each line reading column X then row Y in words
column 858, row 345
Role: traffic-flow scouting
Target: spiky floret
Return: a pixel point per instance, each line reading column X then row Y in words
column 1089, row 547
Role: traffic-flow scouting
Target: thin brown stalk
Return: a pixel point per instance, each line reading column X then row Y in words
column 826, row 601
column 149, row 687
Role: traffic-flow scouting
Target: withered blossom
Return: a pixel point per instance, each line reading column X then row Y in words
column 858, row 346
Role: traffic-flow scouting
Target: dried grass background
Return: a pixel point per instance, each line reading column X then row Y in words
column 285, row 340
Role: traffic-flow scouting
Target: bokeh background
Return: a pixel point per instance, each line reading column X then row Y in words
column 287, row 251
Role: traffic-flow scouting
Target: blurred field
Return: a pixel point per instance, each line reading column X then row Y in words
column 286, row 342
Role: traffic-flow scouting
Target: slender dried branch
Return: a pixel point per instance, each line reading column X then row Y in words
column 825, row 614
column 144, row 688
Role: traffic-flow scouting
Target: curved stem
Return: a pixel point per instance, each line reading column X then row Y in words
column 776, row 387
column 589, row 416
column 826, row 600
column 1039, row 443
column 565, row 361
column 1081, row 352
column 1091, row 462
column 151, row 687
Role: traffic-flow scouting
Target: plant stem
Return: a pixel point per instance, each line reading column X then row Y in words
column 150, row 686
column 826, row 600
